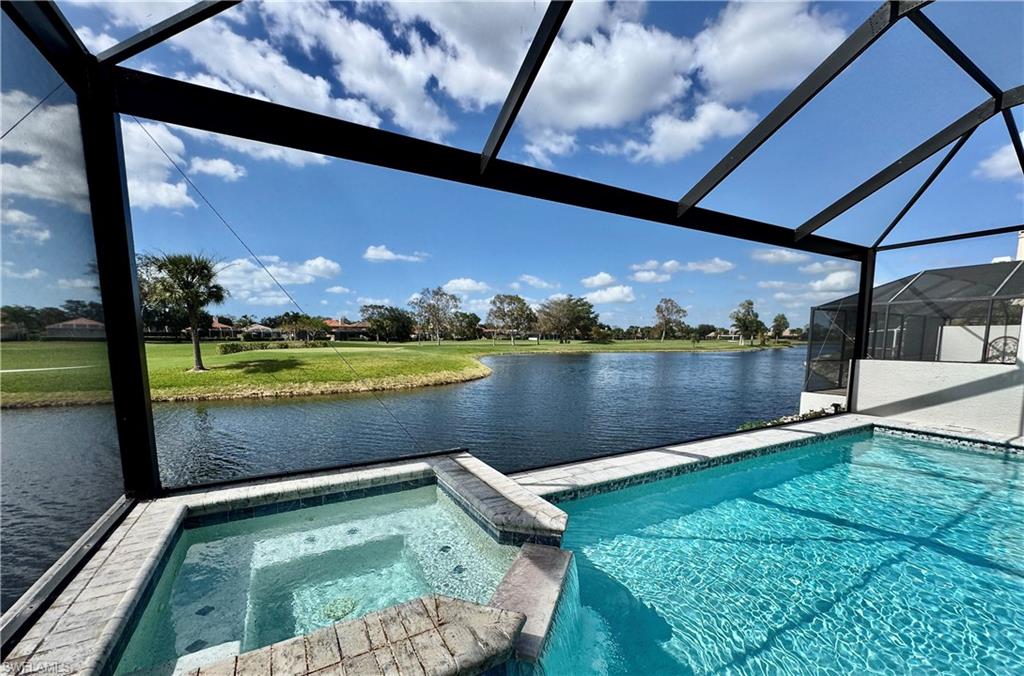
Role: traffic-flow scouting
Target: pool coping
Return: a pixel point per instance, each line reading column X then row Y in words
column 584, row 478
column 88, row 625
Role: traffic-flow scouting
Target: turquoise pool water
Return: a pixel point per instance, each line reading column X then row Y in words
column 241, row 585
column 863, row 554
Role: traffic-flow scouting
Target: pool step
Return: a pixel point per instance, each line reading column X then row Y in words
column 429, row 635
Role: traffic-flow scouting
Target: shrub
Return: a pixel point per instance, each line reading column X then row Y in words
column 234, row 348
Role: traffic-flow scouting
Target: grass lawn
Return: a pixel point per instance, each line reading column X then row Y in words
column 268, row 373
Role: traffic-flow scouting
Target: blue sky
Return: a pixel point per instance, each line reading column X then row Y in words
column 644, row 96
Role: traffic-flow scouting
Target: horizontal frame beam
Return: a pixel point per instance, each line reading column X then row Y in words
column 953, row 238
column 170, row 101
column 169, row 27
column 542, row 41
column 952, row 132
column 859, row 40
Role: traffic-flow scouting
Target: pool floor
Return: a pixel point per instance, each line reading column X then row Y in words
column 242, row 585
column 859, row 554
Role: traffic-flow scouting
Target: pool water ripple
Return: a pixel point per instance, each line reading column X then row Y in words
column 860, row 554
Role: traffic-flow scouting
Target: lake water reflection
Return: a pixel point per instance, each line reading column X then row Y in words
column 533, row 410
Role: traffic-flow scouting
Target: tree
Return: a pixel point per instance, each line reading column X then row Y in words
column 704, row 330
column 779, row 325
column 511, row 314
column 745, row 320
column 188, row 282
column 670, row 316
column 389, row 322
column 466, row 325
column 303, row 326
column 567, row 318
column 82, row 308
column 435, row 310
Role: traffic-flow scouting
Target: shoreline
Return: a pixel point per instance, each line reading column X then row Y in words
column 297, row 390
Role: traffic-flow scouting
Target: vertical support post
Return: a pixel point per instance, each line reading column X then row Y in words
column 863, row 325
column 115, row 262
column 988, row 332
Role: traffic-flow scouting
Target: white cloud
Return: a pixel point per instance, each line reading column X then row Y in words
column 671, row 138
column 616, row 74
column 255, row 66
column 777, row 284
column 365, row 300
column 600, row 279
column 1000, row 165
column 537, row 282
column 323, row 302
column 76, row 283
column 219, row 167
column 249, row 283
column 646, row 265
column 255, row 149
column 612, row 294
column 380, row 253
column 338, row 289
column 711, row 266
column 8, row 270
column 478, row 305
column 557, row 296
column 148, row 171
column 759, row 46
column 413, row 297
column 96, row 42
column 842, row 280
column 22, row 226
column 649, row 276
column 545, row 143
column 778, row 256
column 50, row 141
column 1002, row 259
column 821, row 267
column 464, row 285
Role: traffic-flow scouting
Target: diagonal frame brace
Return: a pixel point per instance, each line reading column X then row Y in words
column 169, row 27
column 952, row 132
column 924, row 186
column 884, row 18
column 542, row 41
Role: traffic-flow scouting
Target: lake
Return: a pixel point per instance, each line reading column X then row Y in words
column 533, row 410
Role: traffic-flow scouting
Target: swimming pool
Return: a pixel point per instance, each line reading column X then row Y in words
column 241, row 585
column 863, row 553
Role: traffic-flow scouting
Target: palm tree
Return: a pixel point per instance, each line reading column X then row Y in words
column 190, row 282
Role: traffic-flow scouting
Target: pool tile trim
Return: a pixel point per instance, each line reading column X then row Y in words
column 590, row 477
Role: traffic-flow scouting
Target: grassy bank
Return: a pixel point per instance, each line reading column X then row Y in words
column 276, row 373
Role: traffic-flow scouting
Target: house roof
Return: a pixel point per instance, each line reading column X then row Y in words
column 258, row 327
column 78, row 323
column 218, row 325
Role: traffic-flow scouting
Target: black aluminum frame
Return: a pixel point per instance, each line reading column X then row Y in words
column 106, row 90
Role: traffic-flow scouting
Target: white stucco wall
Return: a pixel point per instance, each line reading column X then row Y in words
column 987, row 397
column 816, row 401
column 963, row 343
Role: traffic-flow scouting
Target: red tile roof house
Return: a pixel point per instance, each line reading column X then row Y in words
column 220, row 330
column 343, row 331
column 77, row 328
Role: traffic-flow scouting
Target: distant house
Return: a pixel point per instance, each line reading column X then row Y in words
column 82, row 328
column 792, row 333
column 724, row 334
column 12, row 331
column 221, row 330
column 261, row 331
column 347, row 331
